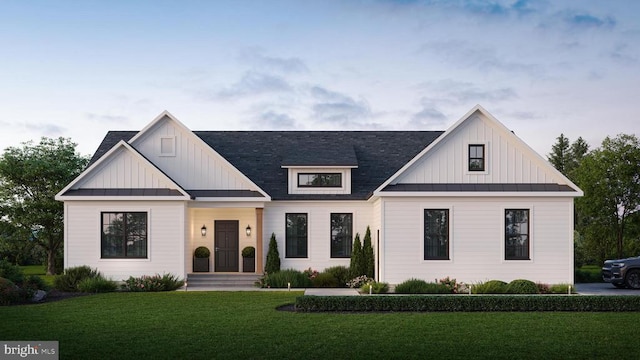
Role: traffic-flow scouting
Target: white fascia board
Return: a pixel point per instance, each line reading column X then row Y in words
column 229, row 199
column 476, row 194
column 225, row 204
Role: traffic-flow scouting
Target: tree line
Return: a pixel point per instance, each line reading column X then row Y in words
column 607, row 217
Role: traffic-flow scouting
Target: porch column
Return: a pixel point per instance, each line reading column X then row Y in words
column 259, row 241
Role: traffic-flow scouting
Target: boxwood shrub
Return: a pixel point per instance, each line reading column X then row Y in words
column 341, row 273
column 466, row 303
column 521, row 286
column 417, row 286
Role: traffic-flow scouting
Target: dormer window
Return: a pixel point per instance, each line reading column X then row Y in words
column 476, row 157
column 319, row 180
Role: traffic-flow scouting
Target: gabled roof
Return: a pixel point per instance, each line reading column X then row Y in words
column 70, row 192
column 260, row 155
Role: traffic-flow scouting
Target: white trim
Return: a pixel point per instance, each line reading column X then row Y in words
column 319, row 166
column 172, row 153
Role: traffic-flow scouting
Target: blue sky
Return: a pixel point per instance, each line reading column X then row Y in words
column 80, row 68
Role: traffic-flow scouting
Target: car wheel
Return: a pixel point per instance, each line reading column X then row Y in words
column 633, row 279
column 620, row 286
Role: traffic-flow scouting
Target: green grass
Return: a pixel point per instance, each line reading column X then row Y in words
column 38, row 270
column 237, row 325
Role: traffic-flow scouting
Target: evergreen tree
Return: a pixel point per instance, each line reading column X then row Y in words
column 560, row 154
column 368, row 254
column 356, row 266
column 273, row 256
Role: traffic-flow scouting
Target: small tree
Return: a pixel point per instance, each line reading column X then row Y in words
column 357, row 265
column 367, row 252
column 273, row 256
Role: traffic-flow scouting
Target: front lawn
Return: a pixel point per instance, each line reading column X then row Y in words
column 237, row 325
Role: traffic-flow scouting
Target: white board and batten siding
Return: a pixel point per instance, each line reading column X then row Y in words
column 508, row 159
column 477, row 240
column 165, row 238
column 125, row 170
column 318, row 230
column 193, row 165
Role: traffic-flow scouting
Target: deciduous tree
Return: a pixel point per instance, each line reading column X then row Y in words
column 30, row 177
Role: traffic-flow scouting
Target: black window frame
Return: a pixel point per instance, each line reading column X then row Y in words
column 296, row 245
column 320, row 175
column 512, row 251
column 341, row 247
column 432, row 237
column 125, row 236
column 473, row 158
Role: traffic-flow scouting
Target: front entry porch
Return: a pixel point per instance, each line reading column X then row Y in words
column 225, row 232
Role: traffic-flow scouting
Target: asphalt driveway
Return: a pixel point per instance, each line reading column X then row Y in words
column 603, row 289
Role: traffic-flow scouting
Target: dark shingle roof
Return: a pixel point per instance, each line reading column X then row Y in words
column 260, row 155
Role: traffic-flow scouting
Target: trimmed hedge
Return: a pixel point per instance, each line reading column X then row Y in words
column 462, row 303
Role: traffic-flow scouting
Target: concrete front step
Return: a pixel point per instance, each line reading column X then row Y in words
column 222, row 279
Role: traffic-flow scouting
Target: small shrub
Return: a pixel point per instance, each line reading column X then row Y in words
column 97, row 285
column 31, row 284
column 451, row 284
column 283, row 278
column 171, row 282
column 341, row 273
column 9, row 292
column 72, row 277
column 561, row 289
column 357, row 282
column 146, row 283
column 489, row 287
column 521, row 286
column 417, row 286
column 325, row 280
column 11, row 272
column 201, row 252
column 375, row 288
column 543, row 288
column 249, row 252
column 311, row 274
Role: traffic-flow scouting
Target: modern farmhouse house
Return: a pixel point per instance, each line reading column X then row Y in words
column 473, row 202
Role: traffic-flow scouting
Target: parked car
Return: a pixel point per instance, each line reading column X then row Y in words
column 622, row 272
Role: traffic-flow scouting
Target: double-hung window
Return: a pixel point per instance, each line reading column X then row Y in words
column 517, row 241
column 436, row 234
column 296, row 235
column 341, row 235
column 476, row 157
column 124, row 235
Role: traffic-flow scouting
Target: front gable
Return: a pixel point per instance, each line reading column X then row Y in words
column 478, row 154
column 187, row 159
column 123, row 172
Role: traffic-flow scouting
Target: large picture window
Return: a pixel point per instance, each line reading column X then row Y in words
column 341, row 235
column 124, row 235
column 296, row 236
column 516, row 234
column 476, row 158
column 320, row 180
column 436, row 234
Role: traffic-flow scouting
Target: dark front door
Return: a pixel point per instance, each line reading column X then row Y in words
column 226, row 245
